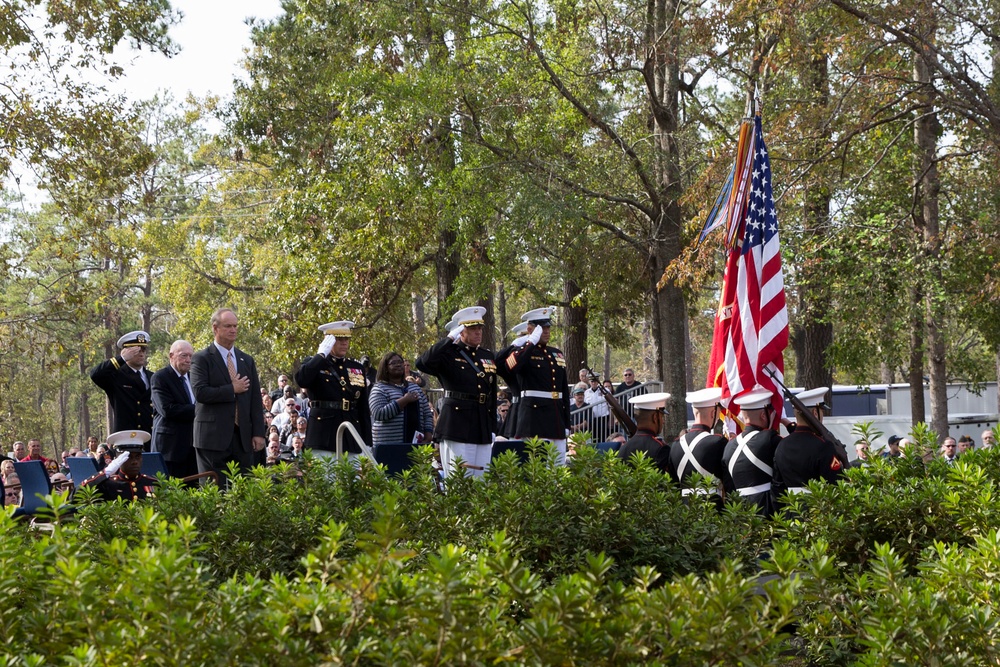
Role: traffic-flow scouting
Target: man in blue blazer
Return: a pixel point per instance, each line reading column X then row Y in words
column 173, row 425
column 229, row 413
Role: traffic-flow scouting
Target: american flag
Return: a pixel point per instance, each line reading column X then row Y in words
column 751, row 324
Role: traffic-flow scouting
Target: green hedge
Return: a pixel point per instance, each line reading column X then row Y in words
column 553, row 516
column 898, row 565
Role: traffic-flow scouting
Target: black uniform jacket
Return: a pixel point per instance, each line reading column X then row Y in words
column 802, row 456
column 337, row 393
column 469, row 409
column 130, row 398
column 120, row 486
column 648, row 442
column 708, row 453
column 542, row 369
column 743, row 473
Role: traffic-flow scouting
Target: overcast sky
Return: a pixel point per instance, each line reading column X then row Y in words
column 212, row 35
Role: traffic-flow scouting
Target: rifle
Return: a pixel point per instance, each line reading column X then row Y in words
column 815, row 424
column 616, row 408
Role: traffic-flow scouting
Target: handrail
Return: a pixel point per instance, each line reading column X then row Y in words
column 365, row 449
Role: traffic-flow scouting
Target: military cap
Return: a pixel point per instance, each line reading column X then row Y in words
column 341, row 329
column 704, row 398
column 757, row 398
column 540, row 316
column 470, row 317
column 812, row 398
column 134, row 339
column 128, row 440
column 654, row 401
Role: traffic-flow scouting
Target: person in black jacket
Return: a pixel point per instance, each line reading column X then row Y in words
column 173, row 425
column 699, row 450
column 749, row 457
column 467, row 420
column 338, row 393
column 805, row 455
column 649, row 411
column 126, row 381
column 540, row 373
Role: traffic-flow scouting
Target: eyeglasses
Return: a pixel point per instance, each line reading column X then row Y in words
column 628, row 375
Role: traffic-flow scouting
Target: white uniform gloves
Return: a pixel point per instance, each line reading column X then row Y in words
column 119, row 461
column 326, row 345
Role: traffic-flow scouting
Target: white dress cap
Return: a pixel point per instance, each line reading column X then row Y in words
column 704, row 398
column 128, row 439
column 134, row 339
column 470, row 317
column 812, row 397
column 542, row 316
column 757, row 398
column 341, row 329
column 656, row 401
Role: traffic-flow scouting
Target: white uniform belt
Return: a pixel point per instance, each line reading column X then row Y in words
column 531, row 393
column 799, row 489
column 699, row 492
column 753, row 490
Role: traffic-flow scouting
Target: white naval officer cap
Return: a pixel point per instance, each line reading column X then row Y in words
column 470, row 317
column 128, row 440
column 757, row 398
column 134, row 339
column 341, row 329
column 540, row 316
column 519, row 328
column 812, row 397
column 654, row 401
column 704, row 398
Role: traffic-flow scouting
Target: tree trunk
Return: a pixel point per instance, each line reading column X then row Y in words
column 501, row 311
column 668, row 310
column 926, row 130
column 574, row 343
column 815, row 333
column 417, row 310
column 84, row 430
column 915, row 373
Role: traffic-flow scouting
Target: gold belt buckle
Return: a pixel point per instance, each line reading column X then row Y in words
column 555, row 395
column 345, row 405
column 482, row 399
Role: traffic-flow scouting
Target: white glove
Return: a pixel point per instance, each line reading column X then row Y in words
column 535, row 335
column 520, row 341
column 456, row 332
column 119, row 461
column 326, row 345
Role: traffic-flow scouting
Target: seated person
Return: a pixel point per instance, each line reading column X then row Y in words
column 12, row 490
column 123, row 478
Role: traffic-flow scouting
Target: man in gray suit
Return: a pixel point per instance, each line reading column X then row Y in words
column 229, row 413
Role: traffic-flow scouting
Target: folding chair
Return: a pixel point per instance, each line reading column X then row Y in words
column 81, row 468
column 519, row 447
column 35, row 485
column 612, row 446
column 153, row 464
column 395, row 457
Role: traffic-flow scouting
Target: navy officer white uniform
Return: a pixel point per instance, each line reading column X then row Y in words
column 748, row 462
column 540, row 371
column 805, row 455
column 338, row 393
column 467, row 421
column 699, row 450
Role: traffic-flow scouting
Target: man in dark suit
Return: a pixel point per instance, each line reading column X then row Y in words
column 229, row 413
column 173, row 425
column 126, row 382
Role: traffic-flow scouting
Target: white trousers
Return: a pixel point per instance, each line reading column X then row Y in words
column 476, row 457
column 560, row 446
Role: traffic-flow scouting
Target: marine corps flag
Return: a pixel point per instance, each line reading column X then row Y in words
column 751, row 323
